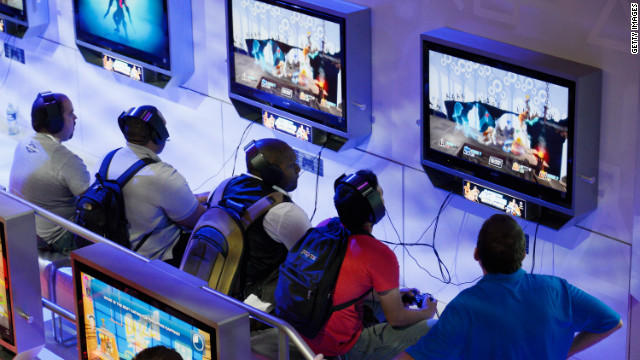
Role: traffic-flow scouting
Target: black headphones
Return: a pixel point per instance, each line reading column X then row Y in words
column 54, row 122
column 150, row 116
column 270, row 174
column 362, row 187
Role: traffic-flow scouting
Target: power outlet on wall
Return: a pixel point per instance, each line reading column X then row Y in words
column 526, row 243
column 310, row 163
column 13, row 53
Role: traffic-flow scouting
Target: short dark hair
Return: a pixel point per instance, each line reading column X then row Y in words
column 501, row 245
column 353, row 209
column 39, row 117
column 159, row 352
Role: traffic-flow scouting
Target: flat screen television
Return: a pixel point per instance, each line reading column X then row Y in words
column 6, row 318
column 305, row 61
column 21, row 323
column 13, row 9
column 136, row 29
column 23, row 18
column 125, row 305
column 149, row 41
column 515, row 120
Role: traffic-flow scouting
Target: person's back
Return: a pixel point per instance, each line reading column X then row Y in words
column 271, row 166
column 158, row 201
column 46, row 173
column 369, row 268
column 510, row 314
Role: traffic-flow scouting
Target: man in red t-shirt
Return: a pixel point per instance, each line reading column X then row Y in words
column 368, row 265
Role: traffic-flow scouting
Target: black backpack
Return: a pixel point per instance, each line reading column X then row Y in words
column 307, row 279
column 101, row 208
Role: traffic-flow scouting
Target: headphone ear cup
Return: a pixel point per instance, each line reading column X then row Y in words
column 272, row 175
column 55, row 125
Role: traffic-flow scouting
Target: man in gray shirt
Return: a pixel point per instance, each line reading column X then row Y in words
column 46, row 173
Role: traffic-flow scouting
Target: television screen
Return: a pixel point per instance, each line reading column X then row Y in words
column 6, row 326
column 137, row 29
column 289, row 57
column 13, row 9
column 487, row 117
column 119, row 321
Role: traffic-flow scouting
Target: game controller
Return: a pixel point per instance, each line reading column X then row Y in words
column 418, row 299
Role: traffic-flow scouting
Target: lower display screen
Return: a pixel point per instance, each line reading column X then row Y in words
column 119, row 322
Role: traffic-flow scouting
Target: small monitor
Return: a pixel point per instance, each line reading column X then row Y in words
column 307, row 61
column 521, row 123
column 125, row 304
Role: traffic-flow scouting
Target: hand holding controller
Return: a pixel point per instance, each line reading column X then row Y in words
column 414, row 297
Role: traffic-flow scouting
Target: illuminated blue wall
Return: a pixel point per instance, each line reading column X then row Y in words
column 595, row 255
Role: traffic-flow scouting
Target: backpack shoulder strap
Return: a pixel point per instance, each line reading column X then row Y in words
column 133, row 169
column 345, row 305
column 260, row 207
column 216, row 195
column 104, row 167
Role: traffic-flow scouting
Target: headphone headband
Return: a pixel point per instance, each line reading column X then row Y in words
column 366, row 190
column 149, row 115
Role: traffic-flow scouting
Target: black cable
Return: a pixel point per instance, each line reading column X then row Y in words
column 535, row 239
column 6, row 76
column 446, row 279
column 235, row 156
column 315, row 202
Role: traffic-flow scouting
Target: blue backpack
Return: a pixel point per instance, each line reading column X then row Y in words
column 307, row 279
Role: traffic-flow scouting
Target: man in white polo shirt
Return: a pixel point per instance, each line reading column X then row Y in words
column 46, row 173
column 159, row 204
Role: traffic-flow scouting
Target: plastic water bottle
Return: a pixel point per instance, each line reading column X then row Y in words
column 12, row 119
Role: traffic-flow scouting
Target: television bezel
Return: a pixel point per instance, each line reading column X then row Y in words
column 318, row 116
column 513, row 185
column 124, row 52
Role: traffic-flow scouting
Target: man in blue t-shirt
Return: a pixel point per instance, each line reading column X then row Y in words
column 510, row 314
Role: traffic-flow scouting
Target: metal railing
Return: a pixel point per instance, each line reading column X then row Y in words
column 285, row 331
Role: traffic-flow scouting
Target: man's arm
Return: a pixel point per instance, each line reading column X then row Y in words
column 190, row 221
column 587, row 339
column 397, row 315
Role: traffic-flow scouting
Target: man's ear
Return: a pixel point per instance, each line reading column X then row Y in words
column 475, row 254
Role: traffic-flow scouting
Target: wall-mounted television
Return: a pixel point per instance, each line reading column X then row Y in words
column 23, row 18
column 21, row 322
column 153, row 34
column 125, row 305
column 517, row 121
column 307, row 61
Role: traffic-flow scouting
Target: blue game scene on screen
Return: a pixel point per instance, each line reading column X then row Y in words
column 288, row 54
column 498, row 119
column 119, row 325
column 139, row 24
column 16, row 4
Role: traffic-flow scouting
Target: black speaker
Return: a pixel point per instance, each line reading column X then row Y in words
column 270, row 173
column 54, row 122
column 366, row 190
column 150, row 116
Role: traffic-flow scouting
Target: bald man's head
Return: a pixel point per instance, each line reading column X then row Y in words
column 279, row 154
